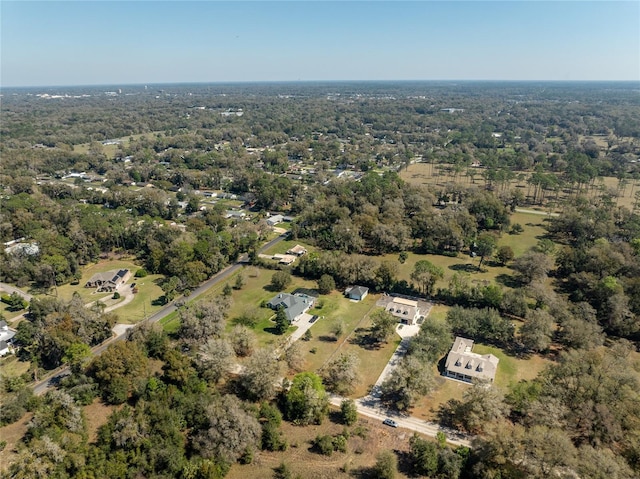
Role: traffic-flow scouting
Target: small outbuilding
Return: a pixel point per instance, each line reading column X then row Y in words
column 357, row 293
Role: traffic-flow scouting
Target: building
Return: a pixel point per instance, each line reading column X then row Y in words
column 285, row 259
column 109, row 280
column 466, row 366
column 357, row 293
column 274, row 220
column 297, row 250
column 406, row 310
column 6, row 334
column 236, row 215
column 294, row 305
column 4, row 348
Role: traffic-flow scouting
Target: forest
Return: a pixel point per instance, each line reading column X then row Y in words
column 511, row 207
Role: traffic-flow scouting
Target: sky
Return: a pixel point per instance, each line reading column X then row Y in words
column 138, row 42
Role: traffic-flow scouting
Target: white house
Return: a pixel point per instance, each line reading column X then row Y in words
column 406, row 310
column 466, row 366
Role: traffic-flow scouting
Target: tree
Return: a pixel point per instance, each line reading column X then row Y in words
column 326, row 284
column 348, row 412
column 536, row 332
column 423, row 455
column 425, row 273
column 270, row 418
column 75, row 355
column 16, row 302
column 260, row 376
column 118, row 369
column 229, row 431
column 282, row 322
column 407, row 383
column 215, row 358
column 280, row 280
column 243, row 340
column 239, row 282
column 383, row 326
column 504, row 254
column 294, row 357
column 203, row 320
column 532, row 266
column 306, row 402
column 170, row 288
column 341, row 374
column 485, row 245
column 482, row 405
column 386, row 465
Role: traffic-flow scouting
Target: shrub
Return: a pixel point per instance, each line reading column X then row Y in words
column 141, row 273
column 116, row 295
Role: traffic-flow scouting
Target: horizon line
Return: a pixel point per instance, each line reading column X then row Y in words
column 249, row 82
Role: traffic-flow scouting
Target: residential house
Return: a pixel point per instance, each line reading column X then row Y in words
column 357, row 293
column 237, row 215
column 4, row 348
column 297, row 250
column 406, row 310
column 294, row 305
column 285, row 259
column 466, row 366
column 274, row 220
column 6, row 334
column 109, row 280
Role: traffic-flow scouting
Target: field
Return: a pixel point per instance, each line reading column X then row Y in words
column 303, row 462
column 144, row 301
column 440, row 175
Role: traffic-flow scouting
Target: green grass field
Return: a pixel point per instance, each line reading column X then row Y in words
column 148, row 290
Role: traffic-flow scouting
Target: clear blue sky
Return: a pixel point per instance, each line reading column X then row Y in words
column 97, row 42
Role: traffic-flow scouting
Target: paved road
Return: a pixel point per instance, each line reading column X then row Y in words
column 536, row 212
column 120, row 333
column 430, row 429
column 371, row 406
column 12, row 289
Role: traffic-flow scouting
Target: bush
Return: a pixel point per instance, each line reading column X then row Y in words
column 324, row 444
column 327, row 444
column 116, row 295
column 141, row 273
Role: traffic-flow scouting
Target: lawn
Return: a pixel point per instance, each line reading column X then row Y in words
column 12, row 368
column 144, row 302
column 283, row 246
column 354, row 317
column 9, row 315
column 534, row 231
column 511, row 369
column 461, row 264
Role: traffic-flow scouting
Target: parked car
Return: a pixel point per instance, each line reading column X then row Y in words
column 390, row 422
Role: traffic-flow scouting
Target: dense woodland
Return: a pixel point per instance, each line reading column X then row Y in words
column 331, row 157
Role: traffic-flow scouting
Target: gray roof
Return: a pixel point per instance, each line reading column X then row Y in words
column 462, row 361
column 357, row 291
column 3, row 345
column 294, row 305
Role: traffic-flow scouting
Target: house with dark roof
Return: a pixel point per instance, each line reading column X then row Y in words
column 464, row 365
column 357, row 293
column 109, row 280
column 294, row 305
